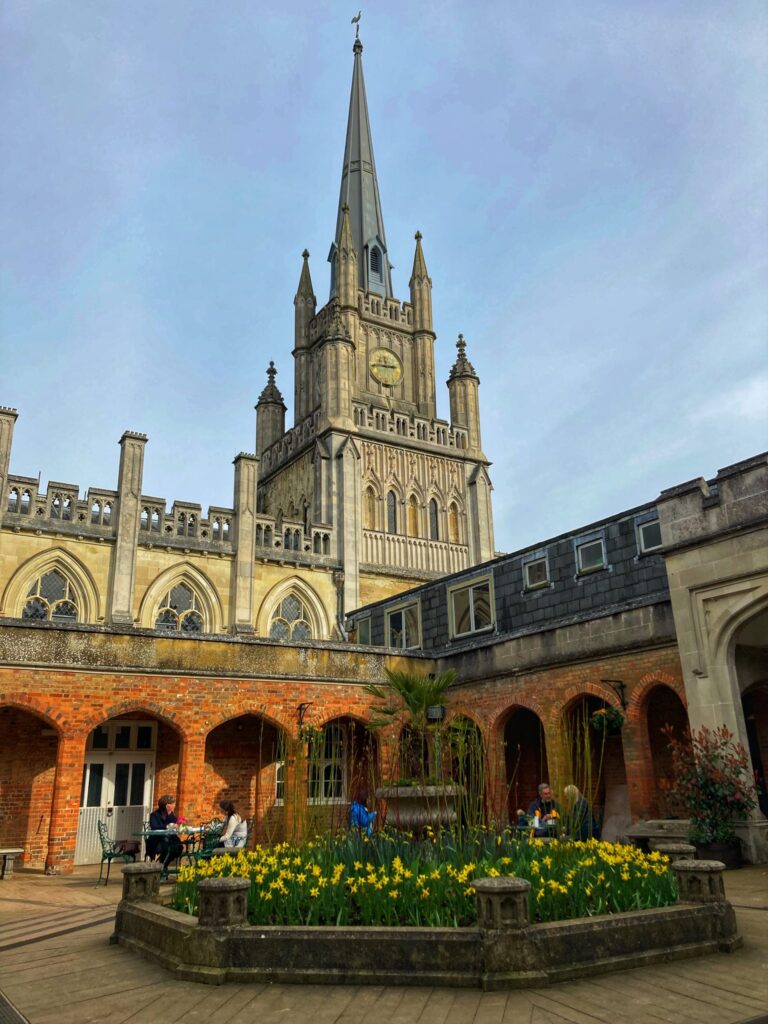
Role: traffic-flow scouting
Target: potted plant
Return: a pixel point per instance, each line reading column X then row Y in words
column 412, row 701
column 711, row 774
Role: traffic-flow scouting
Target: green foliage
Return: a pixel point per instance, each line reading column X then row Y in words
column 395, row 880
column 711, row 774
column 409, row 694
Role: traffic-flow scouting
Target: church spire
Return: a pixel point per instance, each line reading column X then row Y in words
column 360, row 192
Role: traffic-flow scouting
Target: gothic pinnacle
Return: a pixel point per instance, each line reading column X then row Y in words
column 419, row 263
column 271, row 392
column 462, row 367
column 305, row 290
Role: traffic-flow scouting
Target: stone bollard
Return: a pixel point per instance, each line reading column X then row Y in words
column 675, row 851
column 502, row 903
column 509, row 959
column 141, row 882
column 223, row 902
column 700, row 881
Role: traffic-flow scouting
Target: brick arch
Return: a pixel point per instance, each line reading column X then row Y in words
column 358, row 718
column 240, row 710
column 499, row 723
column 130, row 706
column 460, row 710
column 33, row 705
column 637, row 703
column 572, row 694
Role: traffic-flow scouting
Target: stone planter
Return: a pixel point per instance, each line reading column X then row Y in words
column 727, row 853
column 413, row 808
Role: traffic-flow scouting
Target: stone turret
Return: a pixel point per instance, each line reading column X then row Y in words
column 305, row 305
column 423, row 334
column 463, row 384
column 8, row 419
column 336, row 355
column 270, row 414
column 129, row 482
column 345, row 263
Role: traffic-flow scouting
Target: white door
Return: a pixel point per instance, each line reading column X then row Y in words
column 116, row 789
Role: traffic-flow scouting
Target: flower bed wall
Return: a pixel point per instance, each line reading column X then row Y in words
column 504, row 951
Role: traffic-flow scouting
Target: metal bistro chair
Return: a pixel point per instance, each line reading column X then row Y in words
column 210, row 840
column 110, row 849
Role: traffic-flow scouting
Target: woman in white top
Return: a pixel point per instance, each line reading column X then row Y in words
column 235, row 832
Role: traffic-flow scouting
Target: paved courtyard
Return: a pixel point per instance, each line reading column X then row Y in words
column 57, row 967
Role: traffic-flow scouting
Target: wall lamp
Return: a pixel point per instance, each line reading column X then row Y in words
column 301, row 710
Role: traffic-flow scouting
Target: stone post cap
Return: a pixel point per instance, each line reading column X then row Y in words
column 141, row 882
column 711, row 867
column 143, row 869
column 223, row 884
column 500, row 886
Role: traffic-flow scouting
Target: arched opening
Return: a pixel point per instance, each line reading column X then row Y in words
column 434, row 523
column 27, row 774
column 341, row 764
column 751, row 666
column 180, row 611
column 453, row 523
column 595, row 758
column 369, row 509
column 52, row 596
column 466, row 767
column 291, row 620
column 244, row 762
column 525, row 754
column 131, row 760
column 664, row 709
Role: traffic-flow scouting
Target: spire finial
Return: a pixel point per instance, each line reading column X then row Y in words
column 462, row 367
column 356, row 23
column 272, row 372
column 461, row 345
column 418, row 236
column 305, row 254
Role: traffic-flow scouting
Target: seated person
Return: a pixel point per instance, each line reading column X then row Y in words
column 578, row 817
column 163, row 848
column 359, row 815
column 543, row 805
column 235, row 832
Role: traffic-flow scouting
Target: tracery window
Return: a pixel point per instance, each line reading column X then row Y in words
column 52, row 597
column 391, row 512
column 180, row 611
column 434, row 530
column 13, row 500
column 290, row 620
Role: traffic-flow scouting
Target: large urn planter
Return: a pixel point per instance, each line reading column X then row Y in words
column 727, row 853
column 413, row 808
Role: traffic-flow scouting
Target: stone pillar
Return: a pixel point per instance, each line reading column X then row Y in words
column 504, row 921
column 223, row 902
column 65, row 806
column 191, row 773
column 480, row 510
column 348, row 522
column 127, row 536
column 700, row 881
column 7, row 420
column 141, row 883
column 242, row 612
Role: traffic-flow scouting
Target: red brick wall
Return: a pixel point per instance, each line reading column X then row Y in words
column 27, row 771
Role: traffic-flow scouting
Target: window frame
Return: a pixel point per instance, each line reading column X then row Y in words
column 585, row 542
column 365, row 621
column 542, row 584
column 321, row 763
column 401, row 607
column 112, row 727
column 470, row 585
column 642, row 547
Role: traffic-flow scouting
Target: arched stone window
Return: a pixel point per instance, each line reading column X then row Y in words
column 144, row 519
column 453, row 523
column 181, row 525
column 26, row 501
column 155, row 521
column 180, row 611
column 413, row 516
column 106, row 515
column 391, row 512
column 434, row 526
column 56, row 507
column 13, row 500
column 191, row 526
column 369, row 509
column 290, row 620
column 95, row 512
column 52, row 597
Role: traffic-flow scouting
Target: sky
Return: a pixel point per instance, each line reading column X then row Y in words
column 591, row 183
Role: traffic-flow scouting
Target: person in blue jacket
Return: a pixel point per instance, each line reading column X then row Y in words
column 359, row 816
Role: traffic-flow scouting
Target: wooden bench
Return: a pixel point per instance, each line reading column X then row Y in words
column 8, row 856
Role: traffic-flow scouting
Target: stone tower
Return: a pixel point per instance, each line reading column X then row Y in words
column 405, row 496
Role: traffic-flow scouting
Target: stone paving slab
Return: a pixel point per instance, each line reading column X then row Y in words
column 78, row 978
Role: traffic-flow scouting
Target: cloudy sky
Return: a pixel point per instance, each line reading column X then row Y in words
column 590, row 180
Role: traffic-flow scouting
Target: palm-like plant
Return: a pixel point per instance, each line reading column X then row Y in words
column 410, row 695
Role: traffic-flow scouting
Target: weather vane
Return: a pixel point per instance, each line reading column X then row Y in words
column 356, row 23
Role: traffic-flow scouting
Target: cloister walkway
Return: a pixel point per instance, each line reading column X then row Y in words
column 57, row 967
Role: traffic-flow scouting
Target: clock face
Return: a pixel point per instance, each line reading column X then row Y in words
column 385, row 367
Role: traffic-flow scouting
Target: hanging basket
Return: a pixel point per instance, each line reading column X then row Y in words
column 607, row 721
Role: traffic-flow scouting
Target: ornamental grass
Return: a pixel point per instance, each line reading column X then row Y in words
column 391, row 880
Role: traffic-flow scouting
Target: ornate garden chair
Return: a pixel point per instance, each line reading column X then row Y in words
column 111, row 849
